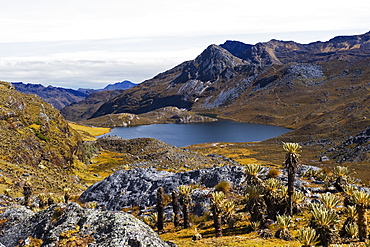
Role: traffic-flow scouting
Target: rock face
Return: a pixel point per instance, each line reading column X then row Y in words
column 71, row 225
column 356, row 148
column 138, row 187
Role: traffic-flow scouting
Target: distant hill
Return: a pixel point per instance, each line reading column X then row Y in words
column 61, row 97
column 120, row 85
column 57, row 96
column 320, row 89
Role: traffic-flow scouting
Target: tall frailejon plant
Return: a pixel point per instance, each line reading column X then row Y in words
column 185, row 200
column 67, row 194
column 291, row 164
column 217, row 202
column 175, row 208
column 27, row 192
column 160, row 209
column 362, row 202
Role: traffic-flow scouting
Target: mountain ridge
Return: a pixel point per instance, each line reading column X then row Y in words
column 61, row 97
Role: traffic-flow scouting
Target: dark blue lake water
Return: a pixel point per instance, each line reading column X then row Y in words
column 181, row 135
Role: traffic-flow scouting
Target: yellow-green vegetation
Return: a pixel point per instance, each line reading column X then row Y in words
column 232, row 238
column 88, row 133
column 37, row 144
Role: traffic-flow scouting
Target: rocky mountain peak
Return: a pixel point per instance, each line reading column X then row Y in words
column 209, row 65
column 237, row 48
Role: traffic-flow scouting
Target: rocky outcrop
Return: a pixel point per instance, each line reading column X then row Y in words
column 126, row 188
column 71, row 225
column 356, row 148
column 147, row 152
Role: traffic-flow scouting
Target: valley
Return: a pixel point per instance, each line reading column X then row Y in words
column 61, row 181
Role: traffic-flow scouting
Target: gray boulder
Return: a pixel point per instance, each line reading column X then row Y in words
column 126, row 188
column 63, row 224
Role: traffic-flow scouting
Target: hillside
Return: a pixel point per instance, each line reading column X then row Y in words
column 86, row 107
column 36, row 143
column 320, row 89
column 159, row 116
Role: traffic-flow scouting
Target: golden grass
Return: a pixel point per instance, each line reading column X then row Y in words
column 183, row 238
column 88, row 133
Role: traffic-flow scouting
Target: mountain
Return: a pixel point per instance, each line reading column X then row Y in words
column 85, row 108
column 319, row 89
column 61, row 97
column 57, row 96
column 120, row 85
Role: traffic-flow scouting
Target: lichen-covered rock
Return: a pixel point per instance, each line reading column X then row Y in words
column 71, row 225
column 354, row 149
column 126, row 188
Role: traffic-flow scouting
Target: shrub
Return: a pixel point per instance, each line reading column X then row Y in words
column 273, row 173
column 223, row 186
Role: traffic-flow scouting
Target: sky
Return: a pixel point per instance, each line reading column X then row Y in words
column 92, row 43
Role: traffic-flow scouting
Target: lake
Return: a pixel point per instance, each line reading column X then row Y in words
column 181, row 135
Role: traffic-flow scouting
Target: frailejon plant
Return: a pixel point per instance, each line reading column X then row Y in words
column 324, row 221
column 67, row 195
column 291, row 164
column 229, row 213
column 185, row 200
column 352, row 230
column 160, row 209
column 341, row 173
column 330, row 201
column 255, row 202
column 362, row 201
column 175, row 208
column 307, row 237
column 42, row 200
column 284, row 222
column 351, row 213
column 254, row 171
column 27, row 192
column 273, row 198
column 298, row 201
column 217, row 202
